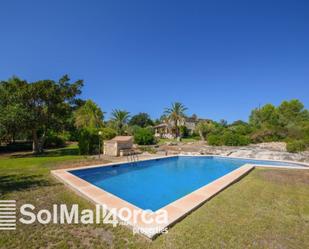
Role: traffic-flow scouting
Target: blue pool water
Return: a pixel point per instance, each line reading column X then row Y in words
column 155, row 183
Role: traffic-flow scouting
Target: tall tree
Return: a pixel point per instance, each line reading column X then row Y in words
column 291, row 112
column 13, row 111
column 89, row 115
column 266, row 116
column 45, row 105
column 175, row 114
column 142, row 119
column 120, row 119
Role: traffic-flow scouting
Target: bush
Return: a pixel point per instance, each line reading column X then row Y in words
column 73, row 135
column 267, row 135
column 296, row 146
column 214, row 140
column 88, row 142
column 132, row 129
column 144, row 136
column 184, row 131
column 17, row 146
column 234, row 139
column 241, row 129
column 228, row 138
column 108, row 133
column 54, row 141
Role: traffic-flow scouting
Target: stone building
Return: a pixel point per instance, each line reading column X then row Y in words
column 118, row 146
column 164, row 130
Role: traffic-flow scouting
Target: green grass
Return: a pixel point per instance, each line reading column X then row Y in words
column 266, row 209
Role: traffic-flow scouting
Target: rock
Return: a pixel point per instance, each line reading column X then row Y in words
column 275, row 146
column 271, row 151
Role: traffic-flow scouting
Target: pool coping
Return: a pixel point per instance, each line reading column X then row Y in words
column 176, row 210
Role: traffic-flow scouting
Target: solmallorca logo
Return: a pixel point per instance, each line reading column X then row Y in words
column 63, row 214
column 7, row 214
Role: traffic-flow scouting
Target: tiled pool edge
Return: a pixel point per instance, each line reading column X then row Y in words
column 189, row 203
column 300, row 165
column 177, row 210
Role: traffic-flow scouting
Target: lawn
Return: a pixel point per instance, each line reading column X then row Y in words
column 266, row 209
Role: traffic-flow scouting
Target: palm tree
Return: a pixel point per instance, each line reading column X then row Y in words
column 120, row 118
column 89, row 115
column 175, row 114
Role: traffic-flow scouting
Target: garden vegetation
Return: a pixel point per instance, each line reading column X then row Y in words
column 48, row 113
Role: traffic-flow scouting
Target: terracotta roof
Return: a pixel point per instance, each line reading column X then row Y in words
column 122, row 138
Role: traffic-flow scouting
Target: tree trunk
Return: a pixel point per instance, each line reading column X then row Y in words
column 201, row 135
column 35, row 142
column 13, row 137
column 176, row 128
column 41, row 143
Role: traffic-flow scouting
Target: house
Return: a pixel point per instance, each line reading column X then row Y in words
column 165, row 130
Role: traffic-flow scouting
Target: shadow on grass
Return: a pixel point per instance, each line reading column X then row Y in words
column 67, row 151
column 10, row 183
column 61, row 152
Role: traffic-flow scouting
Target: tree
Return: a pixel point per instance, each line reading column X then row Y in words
column 107, row 133
column 223, row 122
column 240, row 127
column 175, row 114
column 120, row 119
column 291, row 112
column 13, row 112
column 142, row 119
column 144, row 136
column 11, row 119
column 163, row 118
column 40, row 106
column 265, row 116
column 204, row 128
column 89, row 115
column 88, row 141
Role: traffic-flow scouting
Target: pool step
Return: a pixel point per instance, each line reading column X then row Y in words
column 132, row 157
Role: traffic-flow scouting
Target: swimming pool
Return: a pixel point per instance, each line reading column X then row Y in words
column 153, row 184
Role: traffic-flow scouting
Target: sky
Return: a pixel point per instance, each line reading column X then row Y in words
column 220, row 58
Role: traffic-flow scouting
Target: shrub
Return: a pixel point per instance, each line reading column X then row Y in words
column 296, row 146
column 74, row 135
column 214, row 140
column 144, row 136
column 54, row 141
column 228, row 138
column 266, row 135
column 242, row 129
column 88, row 142
column 234, row 139
column 65, row 135
column 17, row 146
column 184, row 131
column 132, row 129
column 108, row 133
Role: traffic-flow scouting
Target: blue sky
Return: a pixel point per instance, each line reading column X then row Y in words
column 220, row 58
